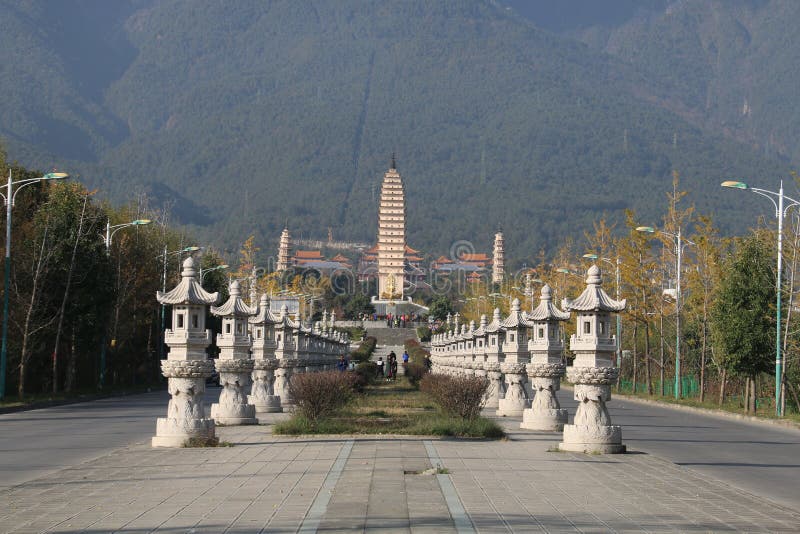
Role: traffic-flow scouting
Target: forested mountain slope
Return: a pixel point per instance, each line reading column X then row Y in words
column 250, row 113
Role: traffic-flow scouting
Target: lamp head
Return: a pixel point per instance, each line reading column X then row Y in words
column 590, row 256
column 646, row 229
column 141, row 222
column 734, row 184
column 55, row 176
column 563, row 270
column 191, row 249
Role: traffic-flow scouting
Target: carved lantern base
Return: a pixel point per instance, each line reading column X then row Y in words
column 186, row 418
column 516, row 399
column 262, row 394
column 492, row 397
column 545, row 412
column 283, row 373
column 232, row 408
column 592, row 430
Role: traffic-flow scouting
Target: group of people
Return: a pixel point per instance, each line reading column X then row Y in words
column 388, row 369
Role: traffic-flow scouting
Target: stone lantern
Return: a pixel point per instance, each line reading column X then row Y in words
column 515, row 357
column 593, row 370
column 234, row 364
column 187, row 365
column 494, row 340
column 479, row 348
column 546, row 347
column 284, row 350
column 262, row 326
column 469, row 356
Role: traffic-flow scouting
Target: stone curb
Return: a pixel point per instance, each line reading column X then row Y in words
column 703, row 411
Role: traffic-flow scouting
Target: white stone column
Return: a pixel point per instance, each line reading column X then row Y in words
column 262, row 395
column 233, row 407
column 545, row 412
column 515, row 400
column 492, row 398
column 185, row 418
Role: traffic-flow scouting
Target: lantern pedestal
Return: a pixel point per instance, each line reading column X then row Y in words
column 492, row 398
column 515, row 401
column 262, row 395
column 545, row 412
column 186, row 418
column 592, row 430
column 232, row 408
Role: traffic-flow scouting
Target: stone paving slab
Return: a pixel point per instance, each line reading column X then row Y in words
column 266, row 483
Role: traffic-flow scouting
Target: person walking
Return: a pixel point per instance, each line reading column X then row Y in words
column 405, row 360
column 379, row 371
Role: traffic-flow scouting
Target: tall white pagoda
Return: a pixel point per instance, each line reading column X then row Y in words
column 498, row 260
column 391, row 236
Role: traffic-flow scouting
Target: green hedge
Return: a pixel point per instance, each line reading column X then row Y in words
column 365, row 350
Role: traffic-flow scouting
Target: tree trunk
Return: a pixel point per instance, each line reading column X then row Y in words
column 634, row 355
column 648, row 377
column 794, row 394
column 703, row 360
column 26, row 330
column 747, row 395
column 66, row 295
column 72, row 363
column 753, row 395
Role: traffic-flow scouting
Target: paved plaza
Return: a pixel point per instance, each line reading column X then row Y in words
column 266, row 483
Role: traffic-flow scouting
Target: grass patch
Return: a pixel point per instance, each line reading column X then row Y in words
column 392, row 408
column 194, row 443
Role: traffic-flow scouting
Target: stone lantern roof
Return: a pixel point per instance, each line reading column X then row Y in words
column 516, row 319
column 188, row 291
column 234, row 306
column 264, row 315
column 495, row 325
column 481, row 330
column 593, row 297
column 546, row 310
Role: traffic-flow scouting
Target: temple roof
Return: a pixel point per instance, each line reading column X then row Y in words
column 308, row 254
column 188, row 290
column 234, row 306
column 546, row 309
column 593, row 297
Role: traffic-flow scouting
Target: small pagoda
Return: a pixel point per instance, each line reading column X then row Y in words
column 187, row 366
column 515, row 357
column 262, row 328
column 234, row 364
column 593, row 370
column 546, row 368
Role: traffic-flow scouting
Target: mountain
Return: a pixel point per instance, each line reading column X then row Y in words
column 247, row 114
column 728, row 66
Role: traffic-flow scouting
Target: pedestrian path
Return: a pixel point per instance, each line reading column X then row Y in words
column 266, row 483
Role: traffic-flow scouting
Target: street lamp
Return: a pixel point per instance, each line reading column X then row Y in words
column 204, row 272
column 107, row 238
column 679, row 243
column 619, row 319
column 780, row 213
column 164, row 286
column 111, row 230
column 8, row 199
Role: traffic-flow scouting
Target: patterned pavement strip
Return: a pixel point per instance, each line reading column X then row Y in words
column 267, row 483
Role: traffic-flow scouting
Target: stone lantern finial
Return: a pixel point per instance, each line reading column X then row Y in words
column 189, row 270
column 235, row 289
column 515, row 305
column 496, row 315
column 483, row 322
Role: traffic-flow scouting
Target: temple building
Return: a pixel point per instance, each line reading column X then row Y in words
column 284, row 251
column 414, row 266
column 498, row 265
column 391, row 236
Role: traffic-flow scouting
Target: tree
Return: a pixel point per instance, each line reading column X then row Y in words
column 358, row 305
column 440, row 307
column 743, row 318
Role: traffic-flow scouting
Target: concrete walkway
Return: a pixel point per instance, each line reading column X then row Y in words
column 265, row 483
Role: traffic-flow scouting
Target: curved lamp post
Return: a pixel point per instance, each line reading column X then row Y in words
column 778, row 201
column 107, row 238
column 8, row 199
column 679, row 243
column 204, row 272
column 615, row 264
